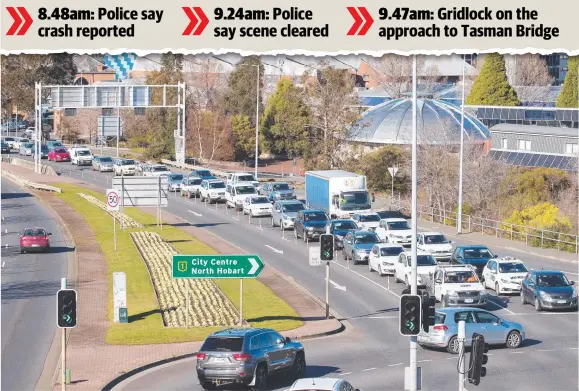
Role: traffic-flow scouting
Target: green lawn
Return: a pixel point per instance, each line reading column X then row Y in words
column 261, row 307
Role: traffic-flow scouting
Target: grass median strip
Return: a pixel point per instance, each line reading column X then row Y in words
column 260, row 305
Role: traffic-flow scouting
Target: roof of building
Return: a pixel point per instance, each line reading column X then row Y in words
column 88, row 64
column 528, row 159
column 437, row 122
column 534, row 129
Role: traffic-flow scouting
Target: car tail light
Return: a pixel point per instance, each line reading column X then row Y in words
column 201, row 356
column 241, row 356
column 440, row 327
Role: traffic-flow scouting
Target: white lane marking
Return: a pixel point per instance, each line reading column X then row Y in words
column 195, row 213
column 395, row 365
column 454, row 358
column 337, row 286
column 517, row 352
column 424, row 361
column 500, row 306
column 275, row 250
column 573, row 348
column 366, row 278
column 368, row 369
column 379, row 317
column 546, row 350
column 541, row 314
column 344, row 374
column 3, row 263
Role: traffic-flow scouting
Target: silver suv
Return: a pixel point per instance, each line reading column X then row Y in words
column 248, row 356
column 284, row 213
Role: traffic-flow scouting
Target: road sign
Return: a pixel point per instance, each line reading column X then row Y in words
column 142, row 190
column 216, row 266
column 113, row 199
column 392, row 171
column 315, row 259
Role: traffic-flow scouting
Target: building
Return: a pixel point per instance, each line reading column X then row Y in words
column 535, row 146
column 91, row 70
column 538, row 116
column 557, row 63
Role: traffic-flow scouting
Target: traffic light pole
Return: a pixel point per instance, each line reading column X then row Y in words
column 328, row 290
column 63, row 285
column 461, row 355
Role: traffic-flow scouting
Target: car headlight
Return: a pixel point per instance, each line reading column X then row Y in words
column 574, row 294
column 361, row 252
column 387, row 264
column 544, row 295
column 483, row 293
column 287, row 218
column 451, row 293
column 505, row 281
column 310, row 228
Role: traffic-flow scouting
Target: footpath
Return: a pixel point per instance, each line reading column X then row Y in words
column 92, row 362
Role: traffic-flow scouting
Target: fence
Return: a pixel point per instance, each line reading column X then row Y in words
column 27, row 183
column 44, row 169
column 535, row 237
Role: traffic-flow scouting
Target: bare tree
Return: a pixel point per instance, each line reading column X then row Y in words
column 529, row 75
column 394, row 73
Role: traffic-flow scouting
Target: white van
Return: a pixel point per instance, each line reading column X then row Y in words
column 81, row 156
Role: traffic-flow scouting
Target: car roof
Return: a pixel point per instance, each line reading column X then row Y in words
column 508, row 259
column 212, row 180
column 308, row 211
column 283, row 202
column 389, row 219
column 277, row 183
column 341, row 220
column 547, row 272
column 318, row 383
column 452, row 310
column 419, row 252
column 238, row 332
column 431, row 233
column 472, row 246
column 367, row 213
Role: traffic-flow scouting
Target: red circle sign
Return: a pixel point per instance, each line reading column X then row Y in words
column 113, row 199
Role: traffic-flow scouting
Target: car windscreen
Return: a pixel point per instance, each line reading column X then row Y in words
column 217, row 185
column 245, row 178
column 435, row 239
column 398, row 225
column 34, row 232
column 295, row 207
column 245, row 190
column 59, row 150
column 105, row 159
column 160, row 168
column 345, row 225
column 552, row 280
column 366, row 238
column 391, row 251
column 512, row 267
column 9, row 139
column 194, row 181
column 424, row 260
column 280, row 186
column 128, row 162
column 222, row 344
column 28, row 145
column 459, row 277
column 24, row 140
column 203, row 173
column 369, row 218
column 474, row 253
column 176, row 178
column 259, row 200
column 315, row 216
column 83, row 153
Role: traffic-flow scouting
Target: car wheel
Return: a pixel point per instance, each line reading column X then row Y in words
column 251, row 213
column 380, row 271
column 497, row 289
column 261, row 377
column 208, row 386
column 514, row 340
column 538, row 306
column 453, row 345
column 523, row 300
column 299, row 367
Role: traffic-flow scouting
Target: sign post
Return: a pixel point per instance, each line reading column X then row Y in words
column 218, row 266
column 113, row 200
column 392, row 171
column 120, row 297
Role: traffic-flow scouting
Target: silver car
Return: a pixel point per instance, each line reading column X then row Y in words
column 26, row 149
column 284, row 213
column 496, row 331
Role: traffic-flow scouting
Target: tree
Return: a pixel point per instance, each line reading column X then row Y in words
column 213, row 136
column 244, row 136
column 241, row 94
column 491, row 87
column 569, row 96
column 528, row 73
column 543, row 215
column 395, row 74
column 375, row 166
column 284, row 120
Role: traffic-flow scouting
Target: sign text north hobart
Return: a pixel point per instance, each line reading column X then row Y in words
column 216, row 266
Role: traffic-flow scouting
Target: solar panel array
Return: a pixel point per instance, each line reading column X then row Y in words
column 567, row 163
column 543, row 116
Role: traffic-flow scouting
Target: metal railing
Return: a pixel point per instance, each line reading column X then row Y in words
column 27, row 183
column 535, row 237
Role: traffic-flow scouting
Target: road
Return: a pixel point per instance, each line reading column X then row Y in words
column 29, row 286
column 370, row 304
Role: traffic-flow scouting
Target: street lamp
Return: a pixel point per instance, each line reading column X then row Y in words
column 459, row 217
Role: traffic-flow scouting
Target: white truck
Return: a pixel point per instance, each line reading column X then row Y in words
column 457, row 286
column 338, row 193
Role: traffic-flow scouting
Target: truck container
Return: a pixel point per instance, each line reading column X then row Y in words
column 339, row 193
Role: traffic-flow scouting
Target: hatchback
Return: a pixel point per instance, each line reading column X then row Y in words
column 26, row 149
column 103, row 163
column 34, row 239
column 497, row 331
column 548, row 289
column 59, row 154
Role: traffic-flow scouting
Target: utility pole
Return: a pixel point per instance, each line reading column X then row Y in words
column 461, row 355
column 257, row 122
column 460, row 170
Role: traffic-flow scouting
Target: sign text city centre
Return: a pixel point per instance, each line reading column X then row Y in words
column 216, row 266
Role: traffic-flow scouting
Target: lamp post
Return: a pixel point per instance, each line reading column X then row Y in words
column 460, row 170
column 414, row 250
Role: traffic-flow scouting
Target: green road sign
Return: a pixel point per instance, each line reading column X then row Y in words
column 216, row 266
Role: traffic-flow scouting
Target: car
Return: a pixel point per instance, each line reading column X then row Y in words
column 548, row 289
column 26, row 149
column 276, row 191
column 54, row 144
column 322, row 384
column 358, row 244
column 34, row 239
column 202, row 173
column 235, row 194
column 4, row 147
column 340, row 228
column 191, row 186
column 425, row 266
column 395, row 230
column 103, row 163
column 504, row 275
column 124, row 166
column 18, row 141
column 248, row 356
column 58, row 154
column 457, row 286
column 391, row 214
column 257, row 206
column 383, row 257
column 81, row 156
column 496, row 331
column 476, row 255
column 212, row 190
column 435, row 243
column 141, row 168
column 43, row 151
column 310, row 224
column 284, row 213
column 157, row 170
column 239, row 177
column 175, row 181
column 10, row 141
column 367, row 220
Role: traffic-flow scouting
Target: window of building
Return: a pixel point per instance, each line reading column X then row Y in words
column 525, row 145
column 504, row 143
column 572, row 148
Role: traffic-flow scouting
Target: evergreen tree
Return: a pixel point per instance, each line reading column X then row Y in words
column 491, row 87
column 569, row 96
column 240, row 97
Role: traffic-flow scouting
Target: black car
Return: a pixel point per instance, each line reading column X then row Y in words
column 392, row 214
column 340, row 228
column 310, row 224
column 548, row 289
column 5, row 147
column 475, row 255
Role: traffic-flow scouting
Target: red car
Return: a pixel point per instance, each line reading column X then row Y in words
column 34, row 239
column 59, row 154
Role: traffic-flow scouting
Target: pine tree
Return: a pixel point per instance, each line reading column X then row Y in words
column 491, row 86
column 569, row 96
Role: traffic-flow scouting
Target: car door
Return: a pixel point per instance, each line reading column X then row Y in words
column 419, row 241
column 438, row 280
column 399, row 266
column 283, row 352
column 454, row 258
column 374, row 258
column 267, row 350
column 490, row 326
column 491, row 276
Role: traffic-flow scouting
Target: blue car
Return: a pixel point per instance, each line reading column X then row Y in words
column 358, row 244
column 548, row 289
column 203, row 174
column 175, row 181
column 310, row 224
column 475, row 255
column 340, row 228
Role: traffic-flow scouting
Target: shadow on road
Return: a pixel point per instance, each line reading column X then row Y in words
column 61, row 249
column 26, row 290
column 9, row 196
column 393, row 310
column 266, row 318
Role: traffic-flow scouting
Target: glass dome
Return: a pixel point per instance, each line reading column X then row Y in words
column 437, row 122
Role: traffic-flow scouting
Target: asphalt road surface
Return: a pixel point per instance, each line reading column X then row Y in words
column 29, row 286
column 372, row 357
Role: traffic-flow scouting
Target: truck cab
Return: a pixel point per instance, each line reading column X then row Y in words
column 458, row 286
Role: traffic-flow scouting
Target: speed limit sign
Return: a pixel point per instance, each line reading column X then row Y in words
column 113, row 199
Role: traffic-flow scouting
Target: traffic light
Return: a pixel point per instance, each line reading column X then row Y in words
column 327, row 247
column 410, row 311
column 478, row 358
column 66, row 308
column 428, row 311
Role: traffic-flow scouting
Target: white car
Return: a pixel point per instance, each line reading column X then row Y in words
column 426, row 265
column 322, row 384
column 236, row 194
column 257, row 206
column 395, row 230
column 212, row 190
column 157, row 170
column 242, row 177
column 383, row 258
column 367, row 220
column 81, row 156
column 436, row 244
column 504, row 275
column 191, row 186
column 458, row 286
column 124, row 167
column 19, row 141
column 10, row 141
